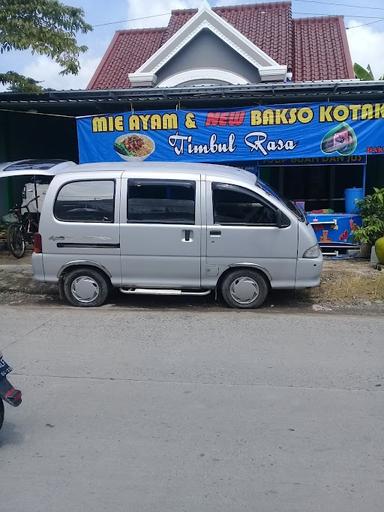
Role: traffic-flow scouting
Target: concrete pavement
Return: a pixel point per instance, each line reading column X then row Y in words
column 171, row 411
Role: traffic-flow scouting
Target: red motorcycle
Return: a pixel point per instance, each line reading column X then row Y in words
column 8, row 393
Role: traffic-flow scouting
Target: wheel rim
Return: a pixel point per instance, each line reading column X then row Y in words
column 85, row 289
column 244, row 290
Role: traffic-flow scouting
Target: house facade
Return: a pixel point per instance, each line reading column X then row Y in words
column 217, row 78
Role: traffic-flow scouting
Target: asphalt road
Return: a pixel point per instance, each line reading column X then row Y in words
column 184, row 411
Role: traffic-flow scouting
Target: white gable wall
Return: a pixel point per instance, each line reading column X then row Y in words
column 207, row 51
column 208, row 22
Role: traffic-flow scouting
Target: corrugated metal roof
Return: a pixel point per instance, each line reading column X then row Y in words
column 97, row 101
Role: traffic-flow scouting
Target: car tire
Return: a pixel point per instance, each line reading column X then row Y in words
column 244, row 289
column 85, row 287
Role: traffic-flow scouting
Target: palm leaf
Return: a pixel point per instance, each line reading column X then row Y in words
column 362, row 73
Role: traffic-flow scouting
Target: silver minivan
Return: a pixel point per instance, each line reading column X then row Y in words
column 171, row 228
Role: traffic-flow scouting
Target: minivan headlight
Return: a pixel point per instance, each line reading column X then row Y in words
column 312, row 252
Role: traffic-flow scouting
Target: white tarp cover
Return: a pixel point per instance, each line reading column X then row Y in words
column 35, row 168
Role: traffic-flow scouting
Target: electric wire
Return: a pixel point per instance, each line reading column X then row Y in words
column 131, row 19
column 341, row 4
column 97, row 25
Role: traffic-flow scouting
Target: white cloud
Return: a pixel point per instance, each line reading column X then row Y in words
column 48, row 72
column 367, row 46
column 45, row 70
column 143, row 8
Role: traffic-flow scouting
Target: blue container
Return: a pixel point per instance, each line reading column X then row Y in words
column 334, row 228
column 351, row 195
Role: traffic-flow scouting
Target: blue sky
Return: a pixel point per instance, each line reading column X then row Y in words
column 365, row 32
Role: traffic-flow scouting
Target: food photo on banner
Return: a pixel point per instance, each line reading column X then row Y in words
column 246, row 134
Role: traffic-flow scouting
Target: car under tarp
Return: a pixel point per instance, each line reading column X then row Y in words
column 14, row 176
column 34, row 168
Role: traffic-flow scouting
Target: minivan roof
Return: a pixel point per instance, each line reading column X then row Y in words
column 222, row 171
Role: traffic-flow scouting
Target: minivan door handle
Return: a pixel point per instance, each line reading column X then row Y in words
column 215, row 232
column 187, row 235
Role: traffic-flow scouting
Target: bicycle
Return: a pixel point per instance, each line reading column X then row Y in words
column 20, row 233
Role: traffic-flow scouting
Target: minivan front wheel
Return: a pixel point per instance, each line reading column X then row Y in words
column 85, row 287
column 245, row 289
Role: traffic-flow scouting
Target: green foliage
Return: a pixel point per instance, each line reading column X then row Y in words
column 19, row 83
column 372, row 212
column 362, row 73
column 46, row 27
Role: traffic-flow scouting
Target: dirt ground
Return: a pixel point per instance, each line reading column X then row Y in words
column 346, row 284
column 351, row 281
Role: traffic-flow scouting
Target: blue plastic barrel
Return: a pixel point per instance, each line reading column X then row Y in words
column 351, row 195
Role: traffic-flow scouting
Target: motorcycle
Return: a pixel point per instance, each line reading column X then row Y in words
column 8, row 393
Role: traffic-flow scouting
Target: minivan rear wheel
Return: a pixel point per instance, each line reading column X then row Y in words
column 244, row 288
column 85, row 287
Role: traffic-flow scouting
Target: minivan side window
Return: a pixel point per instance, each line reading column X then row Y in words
column 86, row 201
column 236, row 205
column 161, row 201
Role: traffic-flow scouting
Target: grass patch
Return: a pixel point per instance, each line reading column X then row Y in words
column 349, row 286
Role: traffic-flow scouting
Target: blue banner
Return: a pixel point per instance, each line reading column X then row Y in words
column 237, row 135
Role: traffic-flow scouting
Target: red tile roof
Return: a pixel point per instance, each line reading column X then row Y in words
column 321, row 49
column 178, row 18
column 268, row 26
column 316, row 48
column 129, row 49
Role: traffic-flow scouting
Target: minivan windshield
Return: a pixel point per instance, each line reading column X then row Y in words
column 288, row 203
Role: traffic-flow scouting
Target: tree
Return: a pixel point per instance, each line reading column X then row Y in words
column 364, row 73
column 19, row 83
column 46, row 27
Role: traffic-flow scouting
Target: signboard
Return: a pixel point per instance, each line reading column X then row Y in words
column 239, row 135
column 316, row 161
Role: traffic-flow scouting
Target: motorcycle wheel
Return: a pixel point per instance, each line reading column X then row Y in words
column 1, row 413
column 15, row 240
